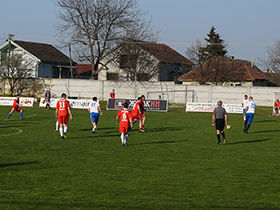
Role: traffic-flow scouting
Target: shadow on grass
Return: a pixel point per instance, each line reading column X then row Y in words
column 161, row 129
column 245, row 142
column 161, row 142
column 262, row 121
column 17, row 164
column 266, row 131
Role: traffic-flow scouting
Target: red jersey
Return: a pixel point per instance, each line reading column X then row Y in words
column 62, row 107
column 277, row 104
column 135, row 110
column 125, row 115
column 112, row 95
column 16, row 101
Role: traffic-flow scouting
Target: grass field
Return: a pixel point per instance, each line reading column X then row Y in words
column 175, row 164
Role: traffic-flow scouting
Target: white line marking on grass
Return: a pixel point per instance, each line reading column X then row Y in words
column 9, row 134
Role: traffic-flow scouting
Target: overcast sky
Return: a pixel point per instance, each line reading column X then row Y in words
column 247, row 26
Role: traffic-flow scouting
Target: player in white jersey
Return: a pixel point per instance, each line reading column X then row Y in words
column 244, row 102
column 250, row 112
column 93, row 108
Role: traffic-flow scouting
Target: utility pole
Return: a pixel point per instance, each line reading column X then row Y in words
column 71, row 70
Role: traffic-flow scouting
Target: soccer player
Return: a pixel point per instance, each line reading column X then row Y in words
column 136, row 114
column 112, row 94
column 221, row 121
column 61, row 113
column 15, row 107
column 125, row 122
column 48, row 98
column 250, row 112
column 93, row 108
column 245, row 101
column 276, row 107
column 143, row 117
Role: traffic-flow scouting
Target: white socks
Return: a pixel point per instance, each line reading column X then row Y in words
column 56, row 125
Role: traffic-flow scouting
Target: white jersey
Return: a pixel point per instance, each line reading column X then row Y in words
column 252, row 106
column 93, row 106
column 245, row 101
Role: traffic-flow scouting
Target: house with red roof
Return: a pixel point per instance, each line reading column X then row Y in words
column 154, row 61
column 47, row 61
column 225, row 71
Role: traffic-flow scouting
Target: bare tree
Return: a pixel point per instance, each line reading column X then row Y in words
column 98, row 26
column 193, row 53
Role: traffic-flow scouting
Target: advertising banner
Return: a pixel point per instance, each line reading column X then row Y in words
column 150, row 105
column 74, row 103
column 8, row 101
column 209, row 107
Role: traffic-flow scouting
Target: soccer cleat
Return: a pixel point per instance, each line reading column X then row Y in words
column 224, row 142
column 92, row 130
column 141, row 130
column 244, row 129
column 123, row 144
column 65, row 136
column 219, row 143
column 96, row 130
column 62, row 137
column 274, row 114
column 55, row 130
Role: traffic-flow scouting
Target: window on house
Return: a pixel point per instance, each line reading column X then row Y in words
column 128, row 62
column 112, row 76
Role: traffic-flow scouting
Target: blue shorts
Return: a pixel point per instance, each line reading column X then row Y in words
column 94, row 117
column 249, row 118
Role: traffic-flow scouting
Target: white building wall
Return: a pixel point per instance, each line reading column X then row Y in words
column 80, row 88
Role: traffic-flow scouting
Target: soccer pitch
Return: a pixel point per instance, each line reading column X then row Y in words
column 175, row 164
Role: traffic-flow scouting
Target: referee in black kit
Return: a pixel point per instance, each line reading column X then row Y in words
column 221, row 121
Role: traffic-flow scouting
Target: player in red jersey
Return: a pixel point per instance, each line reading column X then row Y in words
column 125, row 122
column 276, row 107
column 15, row 107
column 143, row 117
column 112, row 94
column 136, row 114
column 61, row 113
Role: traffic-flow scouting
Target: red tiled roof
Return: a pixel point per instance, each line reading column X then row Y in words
column 231, row 69
column 164, row 53
column 45, row 52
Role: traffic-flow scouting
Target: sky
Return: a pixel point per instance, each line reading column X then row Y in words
column 247, row 26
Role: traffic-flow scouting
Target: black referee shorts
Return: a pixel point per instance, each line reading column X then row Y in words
column 220, row 124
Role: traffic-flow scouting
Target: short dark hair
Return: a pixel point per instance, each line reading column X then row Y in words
column 139, row 98
column 125, row 105
column 245, row 96
column 63, row 95
column 94, row 98
column 142, row 96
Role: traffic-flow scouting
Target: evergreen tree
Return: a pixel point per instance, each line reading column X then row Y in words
column 215, row 47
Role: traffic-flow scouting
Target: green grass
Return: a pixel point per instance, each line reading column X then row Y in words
column 175, row 164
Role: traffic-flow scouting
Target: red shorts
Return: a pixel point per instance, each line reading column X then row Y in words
column 16, row 109
column 123, row 129
column 142, row 115
column 135, row 117
column 63, row 119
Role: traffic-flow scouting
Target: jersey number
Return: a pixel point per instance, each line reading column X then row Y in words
column 61, row 105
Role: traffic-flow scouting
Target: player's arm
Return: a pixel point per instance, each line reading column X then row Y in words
column 88, row 110
column 130, row 121
column 225, row 119
column 100, row 110
column 117, row 120
column 139, row 110
column 213, row 120
column 69, row 111
column 247, row 107
column 56, row 113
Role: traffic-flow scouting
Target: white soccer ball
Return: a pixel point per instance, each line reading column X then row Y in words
column 228, row 127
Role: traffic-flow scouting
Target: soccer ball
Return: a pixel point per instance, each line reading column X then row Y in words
column 228, row 127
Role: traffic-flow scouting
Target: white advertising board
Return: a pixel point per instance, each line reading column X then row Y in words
column 209, row 107
column 8, row 101
column 74, row 103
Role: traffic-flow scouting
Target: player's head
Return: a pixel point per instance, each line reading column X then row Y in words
column 18, row 96
column 113, row 90
column 94, row 98
column 49, row 89
column 219, row 103
column 245, row 96
column 63, row 95
column 125, row 105
column 143, row 97
column 251, row 98
column 277, row 100
column 139, row 98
